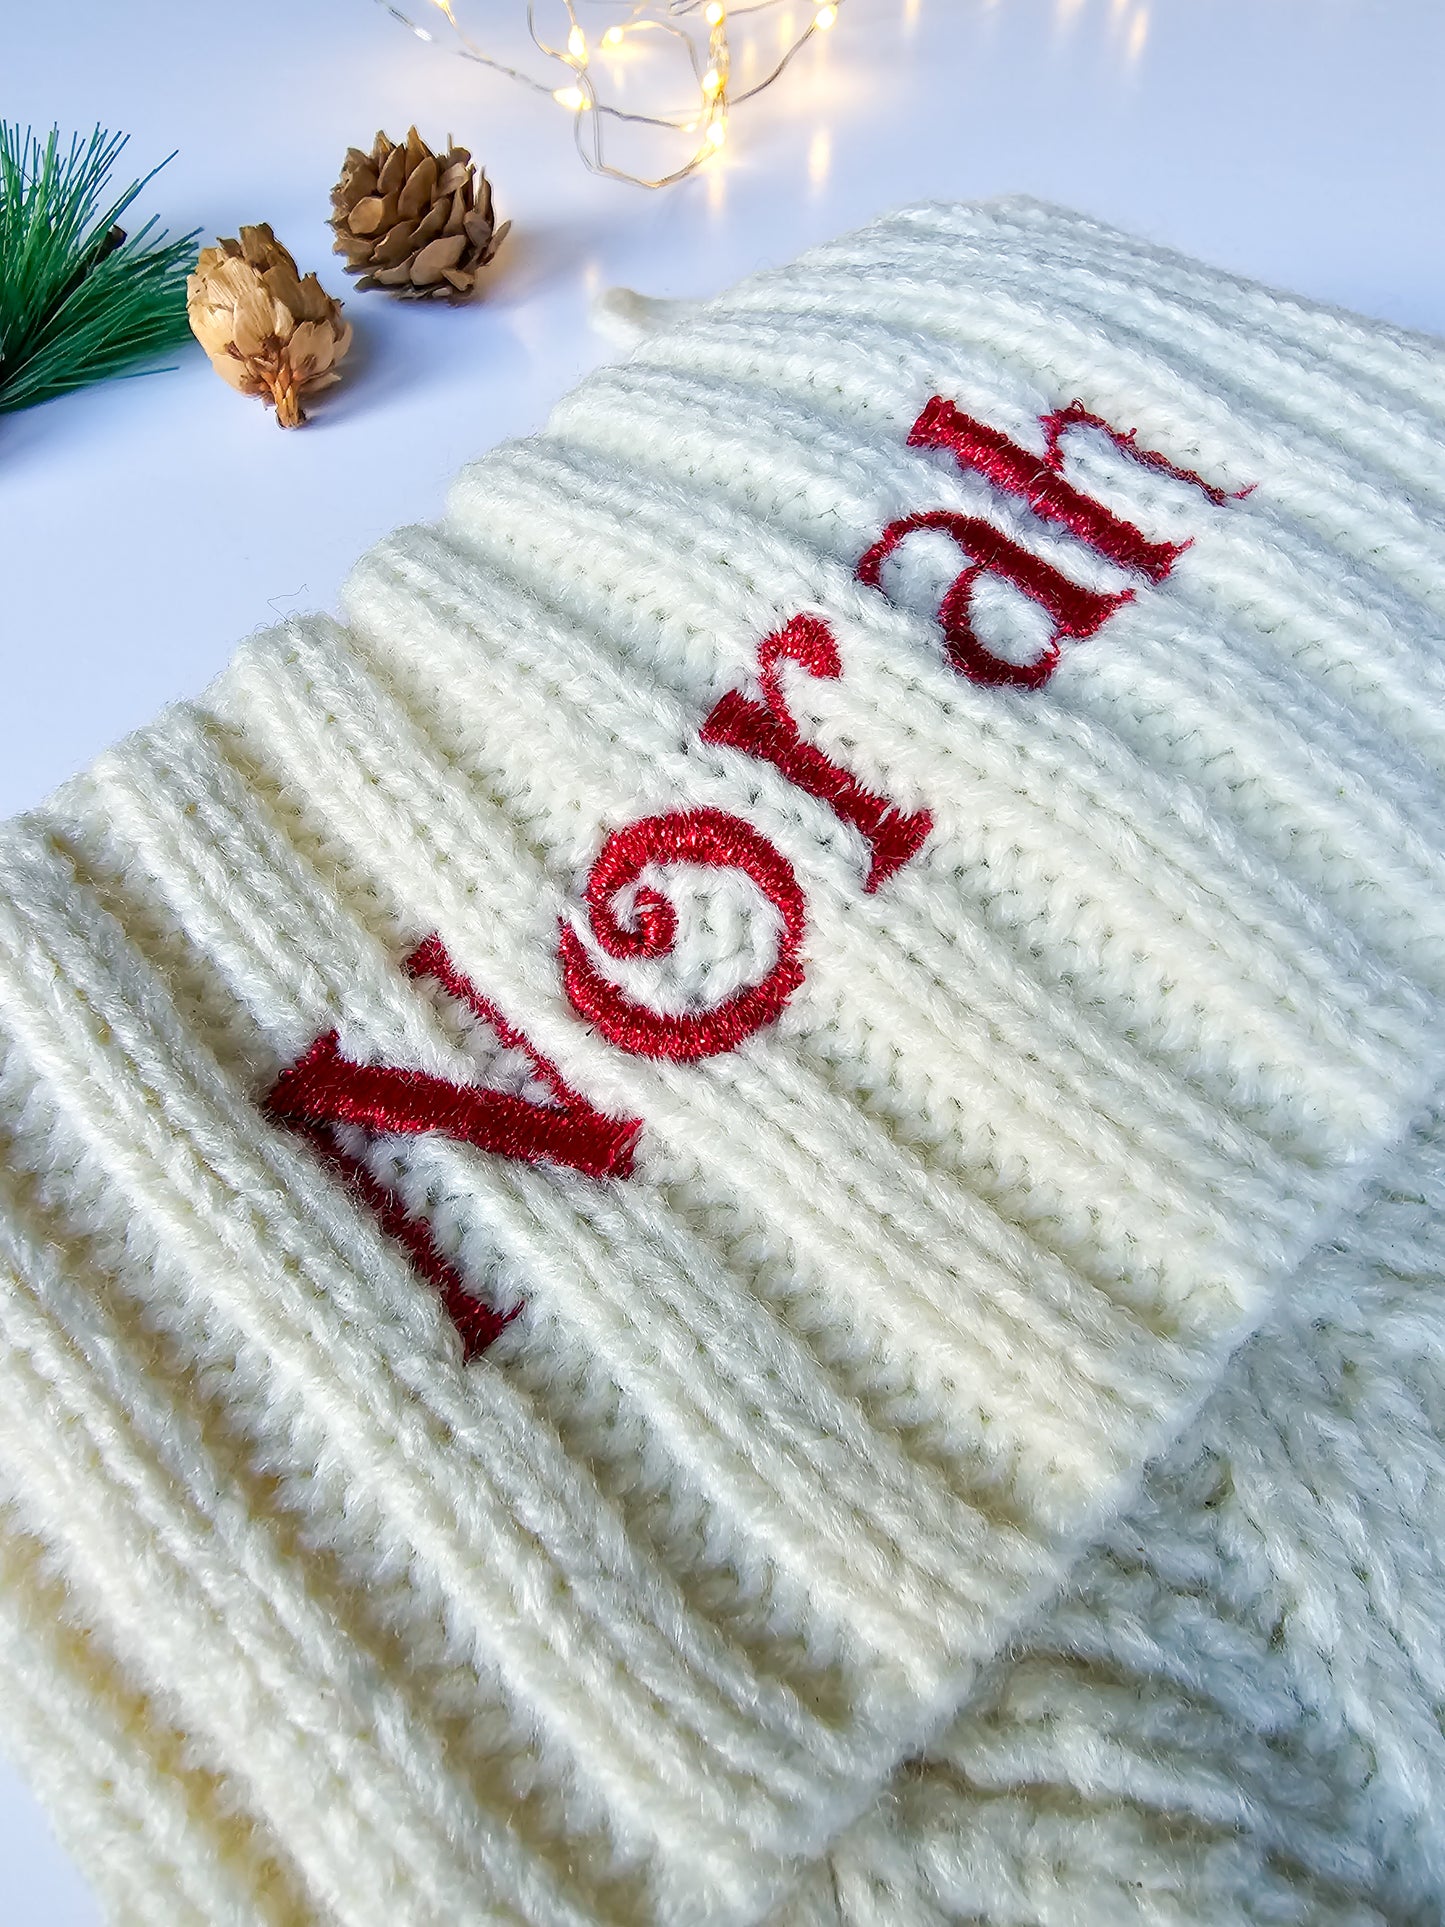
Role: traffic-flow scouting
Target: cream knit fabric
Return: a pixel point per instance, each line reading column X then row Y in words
column 970, row 1177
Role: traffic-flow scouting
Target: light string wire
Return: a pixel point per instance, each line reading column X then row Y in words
column 709, row 56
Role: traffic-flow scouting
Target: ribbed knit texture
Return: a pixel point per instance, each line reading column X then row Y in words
column 791, row 1554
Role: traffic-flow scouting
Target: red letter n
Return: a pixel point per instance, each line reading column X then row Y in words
column 323, row 1090
column 767, row 731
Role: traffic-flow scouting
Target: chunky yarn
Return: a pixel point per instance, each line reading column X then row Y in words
column 731, row 1211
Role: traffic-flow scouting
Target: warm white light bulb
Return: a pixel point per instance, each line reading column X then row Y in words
column 708, row 122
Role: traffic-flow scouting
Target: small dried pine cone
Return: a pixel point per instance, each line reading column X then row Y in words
column 268, row 331
column 417, row 223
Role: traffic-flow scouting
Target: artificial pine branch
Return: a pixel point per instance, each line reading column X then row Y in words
column 79, row 299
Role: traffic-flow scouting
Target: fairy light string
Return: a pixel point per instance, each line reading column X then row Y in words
column 697, row 29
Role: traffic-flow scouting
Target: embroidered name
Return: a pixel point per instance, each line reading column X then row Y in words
column 629, row 917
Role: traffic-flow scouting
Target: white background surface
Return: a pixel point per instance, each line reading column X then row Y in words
column 145, row 526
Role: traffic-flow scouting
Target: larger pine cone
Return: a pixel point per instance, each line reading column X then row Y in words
column 413, row 221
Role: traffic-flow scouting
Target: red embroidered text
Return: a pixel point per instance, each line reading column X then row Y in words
column 1076, row 611
column 766, row 730
column 324, row 1092
column 323, row 1089
column 1038, row 480
column 719, row 841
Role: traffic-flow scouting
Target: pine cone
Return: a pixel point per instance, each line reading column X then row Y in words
column 268, row 331
column 412, row 221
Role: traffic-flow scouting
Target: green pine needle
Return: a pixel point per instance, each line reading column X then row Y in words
column 78, row 299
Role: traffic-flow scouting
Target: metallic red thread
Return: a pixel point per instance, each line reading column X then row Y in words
column 1076, row 611
column 767, row 730
column 1036, row 480
column 323, row 1089
column 430, row 959
column 1077, row 416
column 719, row 841
column 477, row 1323
column 807, row 641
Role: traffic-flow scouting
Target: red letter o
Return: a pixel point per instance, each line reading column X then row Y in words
column 706, row 836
